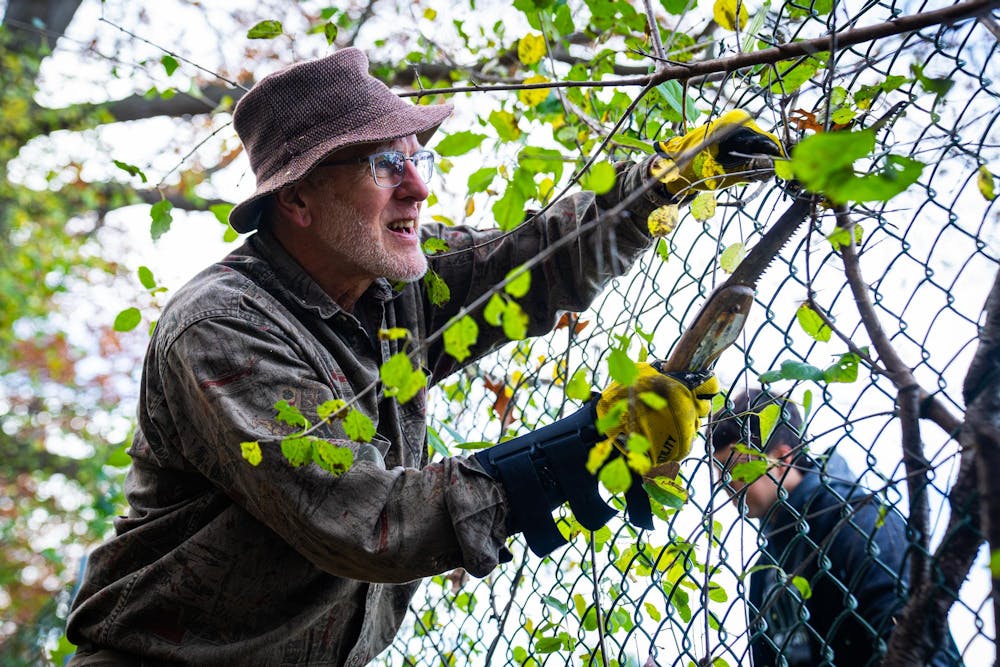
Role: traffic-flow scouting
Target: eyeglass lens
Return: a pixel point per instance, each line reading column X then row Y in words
column 390, row 166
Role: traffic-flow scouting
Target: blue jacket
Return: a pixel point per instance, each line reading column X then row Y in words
column 850, row 552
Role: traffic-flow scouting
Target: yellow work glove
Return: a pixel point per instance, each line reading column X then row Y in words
column 661, row 408
column 715, row 155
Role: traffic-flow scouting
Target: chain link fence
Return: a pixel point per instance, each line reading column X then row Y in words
column 679, row 595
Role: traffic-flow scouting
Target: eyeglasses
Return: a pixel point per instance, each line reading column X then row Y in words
column 388, row 167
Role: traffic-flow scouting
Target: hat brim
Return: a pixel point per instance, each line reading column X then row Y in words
column 422, row 121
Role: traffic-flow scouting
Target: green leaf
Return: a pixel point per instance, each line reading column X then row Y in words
column 845, row 369
column 459, row 143
column 731, row 257
column 505, row 123
column 290, row 414
column 493, row 313
column 330, row 31
column 666, row 491
column 841, row 238
column 131, row 169
column 508, row 211
column 328, row 456
column 358, row 427
column 802, row 584
column 807, row 402
column 621, row 367
column 678, row 7
column 433, row 245
column 331, row 408
column 127, row 320
column 400, row 378
column 481, row 179
column 437, row 289
column 615, row 476
column 578, row 387
column 794, row 370
column 251, row 452
column 169, row 64
column 984, row 179
column 515, row 321
column 823, row 158
column 768, row 419
column 939, row 87
column 297, row 449
column 534, row 160
column 749, row 471
column 663, row 250
column 161, row 217
column 812, row 323
column 717, row 593
column 221, row 212
column 600, row 178
column 265, row 30
column 673, row 94
column 788, row 76
column 460, row 336
column 897, row 174
column 146, row 277
column 519, row 282
column 612, row 417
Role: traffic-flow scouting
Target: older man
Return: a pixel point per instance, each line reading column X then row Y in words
column 223, row 562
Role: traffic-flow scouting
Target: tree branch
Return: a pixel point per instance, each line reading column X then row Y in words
column 687, row 72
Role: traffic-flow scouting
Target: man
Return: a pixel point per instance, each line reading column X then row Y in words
column 223, row 562
column 823, row 527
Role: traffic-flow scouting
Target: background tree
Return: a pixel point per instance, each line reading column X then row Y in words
column 116, row 119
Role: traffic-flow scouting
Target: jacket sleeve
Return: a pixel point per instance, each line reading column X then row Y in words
column 583, row 248
column 221, row 377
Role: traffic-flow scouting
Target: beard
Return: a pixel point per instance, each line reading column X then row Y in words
column 358, row 239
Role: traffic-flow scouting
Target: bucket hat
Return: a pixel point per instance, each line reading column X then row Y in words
column 291, row 120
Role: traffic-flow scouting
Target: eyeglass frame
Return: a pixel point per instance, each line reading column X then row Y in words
column 370, row 159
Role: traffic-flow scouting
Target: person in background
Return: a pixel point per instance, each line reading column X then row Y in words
column 817, row 523
column 238, row 550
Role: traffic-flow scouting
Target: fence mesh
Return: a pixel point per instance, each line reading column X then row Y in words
column 679, row 595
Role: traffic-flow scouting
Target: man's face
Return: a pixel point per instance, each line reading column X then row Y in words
column 759, row 496
column 371, row 231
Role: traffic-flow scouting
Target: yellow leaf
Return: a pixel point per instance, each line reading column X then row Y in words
column 599, row 453
column 724, row 13
column 703, row 206
column 664, row 170
column 251, row 452
column 663, row 220
column 706, row 168
column 535, row 96
column 530, row 49
column 731, row 257
column 986, row 185
column 470, row 207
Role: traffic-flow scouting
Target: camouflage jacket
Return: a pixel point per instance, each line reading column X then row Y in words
column 219, row 562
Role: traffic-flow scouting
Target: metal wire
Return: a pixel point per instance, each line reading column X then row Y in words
column 679, row 595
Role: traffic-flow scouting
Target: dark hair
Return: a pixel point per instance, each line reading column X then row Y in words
column 739, row 421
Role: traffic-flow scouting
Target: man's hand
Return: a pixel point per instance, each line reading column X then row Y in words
column 716, row 155
column 660, row 407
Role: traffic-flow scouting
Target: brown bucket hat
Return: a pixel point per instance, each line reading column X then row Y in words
column 293, row 119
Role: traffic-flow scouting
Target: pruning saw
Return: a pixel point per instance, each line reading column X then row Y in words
column 527, row 460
